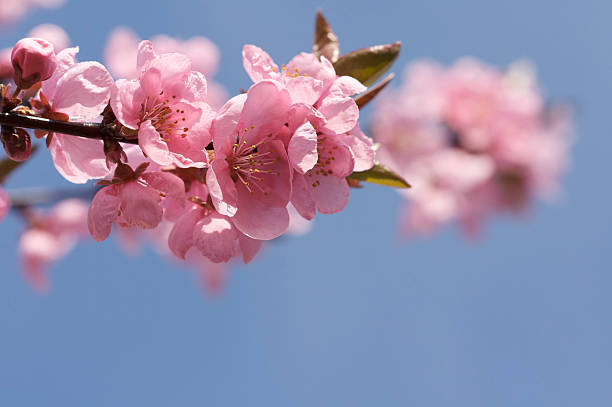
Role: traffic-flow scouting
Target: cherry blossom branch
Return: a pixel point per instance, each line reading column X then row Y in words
column 98, row 131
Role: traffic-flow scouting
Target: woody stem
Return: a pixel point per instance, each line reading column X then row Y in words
column 97, row 131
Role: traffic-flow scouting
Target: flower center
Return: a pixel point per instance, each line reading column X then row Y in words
column 166, row 116
column 249, row 165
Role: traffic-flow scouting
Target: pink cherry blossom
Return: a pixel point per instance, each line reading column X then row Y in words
column 49, row 237
column 134, row 201
column 167, row 107
column 5, row 203
column 250, row 177
column 212, row 234
column 325, row 141
column 76, row 91
column 472, row 140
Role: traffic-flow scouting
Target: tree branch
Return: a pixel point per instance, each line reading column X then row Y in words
column 97, row 131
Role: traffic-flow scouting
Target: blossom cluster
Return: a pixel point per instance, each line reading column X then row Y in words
column 472, row 140
column 214, row 180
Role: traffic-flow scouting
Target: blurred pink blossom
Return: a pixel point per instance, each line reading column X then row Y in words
column 472, row 141
column 14, row 10
column 49, row 237
column 5, row 203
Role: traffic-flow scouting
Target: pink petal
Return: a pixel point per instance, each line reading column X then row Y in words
column 180, row 239
column 140, row 206
column 221, row 188
column 83, row 91
column 215, row 237
column 335, row 158
column 152, row 145
column 330, row 193
column 301, row 198
column 126, row 99
column 362, row 148
column 305, row 89
column 302, row 148
column 346, row 86
column 265, row 110
column 65, row 61
column 309, row 64
column 78, row 159
column 262, row 222
column 145, row 55
column 103, row 211
column 249, row 247
column 195, row 88
column 224, row 124
column 258, row 64
column 169, row 184
column 341, row 113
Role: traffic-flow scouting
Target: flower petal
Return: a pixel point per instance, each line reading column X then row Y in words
column 180, row 239
column 83, row 91
column 341, row 113
column 258, row 64
column 215, row 237
column 103, row 211
column 302, row 148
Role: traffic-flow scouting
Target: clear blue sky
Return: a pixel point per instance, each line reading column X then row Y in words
column 348, row 315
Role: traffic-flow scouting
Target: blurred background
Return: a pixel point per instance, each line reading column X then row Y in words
column 350, row 314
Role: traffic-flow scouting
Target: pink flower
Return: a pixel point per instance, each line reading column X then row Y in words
column 134, row 199
column 325, row 142
column 472, row 140
column 5, row 203
column 250, row 178
column 213, row 234
column 33, row 61
column 167, row 107
column 76, row 91
column 49, row 237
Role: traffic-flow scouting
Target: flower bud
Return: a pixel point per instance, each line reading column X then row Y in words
column 33, row 60
column 17, row 143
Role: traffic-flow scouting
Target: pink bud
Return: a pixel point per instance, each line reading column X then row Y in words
column 33, row 61
column 17, row 143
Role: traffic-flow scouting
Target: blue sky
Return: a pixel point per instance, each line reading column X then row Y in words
column 349, row 314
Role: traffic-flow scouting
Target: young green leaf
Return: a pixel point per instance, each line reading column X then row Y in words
column 371, row 93
column 379, row 174
column 325, row 40
column 368, row 64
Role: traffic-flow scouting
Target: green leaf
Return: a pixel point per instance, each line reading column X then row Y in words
column 379, row 174
column 325, row 40
column 368, row 64
column 371, row 93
